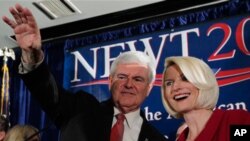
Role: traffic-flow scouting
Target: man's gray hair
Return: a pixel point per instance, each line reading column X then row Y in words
column 135, row 57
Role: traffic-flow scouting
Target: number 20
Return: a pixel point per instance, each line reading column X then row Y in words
column 239, row 36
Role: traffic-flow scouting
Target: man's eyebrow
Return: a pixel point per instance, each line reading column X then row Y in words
column 123, row 74
column 138, row 76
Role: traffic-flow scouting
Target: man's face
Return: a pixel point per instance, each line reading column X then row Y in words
column 129, row 86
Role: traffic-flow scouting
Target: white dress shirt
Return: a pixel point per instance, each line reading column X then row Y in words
column 24, row 68
column 132, row 125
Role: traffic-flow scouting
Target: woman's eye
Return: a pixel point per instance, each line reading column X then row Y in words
column 169, row 83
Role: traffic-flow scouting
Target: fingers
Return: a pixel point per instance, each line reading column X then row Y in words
column 22, row 15
column 30, row 18
column 19, row 14
column 11, row 23
column 16, row 14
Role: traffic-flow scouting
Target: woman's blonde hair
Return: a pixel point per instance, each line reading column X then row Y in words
column 200, row 75
column 22, row 133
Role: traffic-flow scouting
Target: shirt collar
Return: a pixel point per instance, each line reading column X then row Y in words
column 131, row 117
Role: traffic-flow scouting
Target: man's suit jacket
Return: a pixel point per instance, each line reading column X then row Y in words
column 80, row 116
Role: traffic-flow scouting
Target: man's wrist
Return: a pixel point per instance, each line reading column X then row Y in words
column 25, row 67
column 32, row 56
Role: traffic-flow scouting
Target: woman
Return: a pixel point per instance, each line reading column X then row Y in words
column 22, row 133
column 190, row 91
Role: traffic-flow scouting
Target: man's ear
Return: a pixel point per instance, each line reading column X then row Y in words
column 110, row 79
column 150, row 88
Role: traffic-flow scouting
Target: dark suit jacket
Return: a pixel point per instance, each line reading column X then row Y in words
column 79, row 116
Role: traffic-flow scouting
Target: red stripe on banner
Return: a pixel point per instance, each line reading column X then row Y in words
column 158, row 83
column 234, row 72
column 104, row 81
column 233, row 80
column 158, row 77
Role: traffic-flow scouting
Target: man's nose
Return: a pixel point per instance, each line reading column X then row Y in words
column 129, row 82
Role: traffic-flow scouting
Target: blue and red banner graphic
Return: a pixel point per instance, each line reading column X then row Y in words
column 224, row 44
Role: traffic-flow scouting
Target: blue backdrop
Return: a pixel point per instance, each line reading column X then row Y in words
column 217, row 34
column 223, row 44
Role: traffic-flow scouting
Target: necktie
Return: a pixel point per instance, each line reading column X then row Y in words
column 118, row 128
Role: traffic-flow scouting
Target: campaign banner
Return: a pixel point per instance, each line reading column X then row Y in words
column 223, row 43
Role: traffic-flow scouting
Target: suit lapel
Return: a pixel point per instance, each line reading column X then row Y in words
column 107, row 112
column 144, row 130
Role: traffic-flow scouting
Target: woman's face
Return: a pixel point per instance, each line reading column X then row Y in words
column 178, row 91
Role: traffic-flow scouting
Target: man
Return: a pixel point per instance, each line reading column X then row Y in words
column 80, row 116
